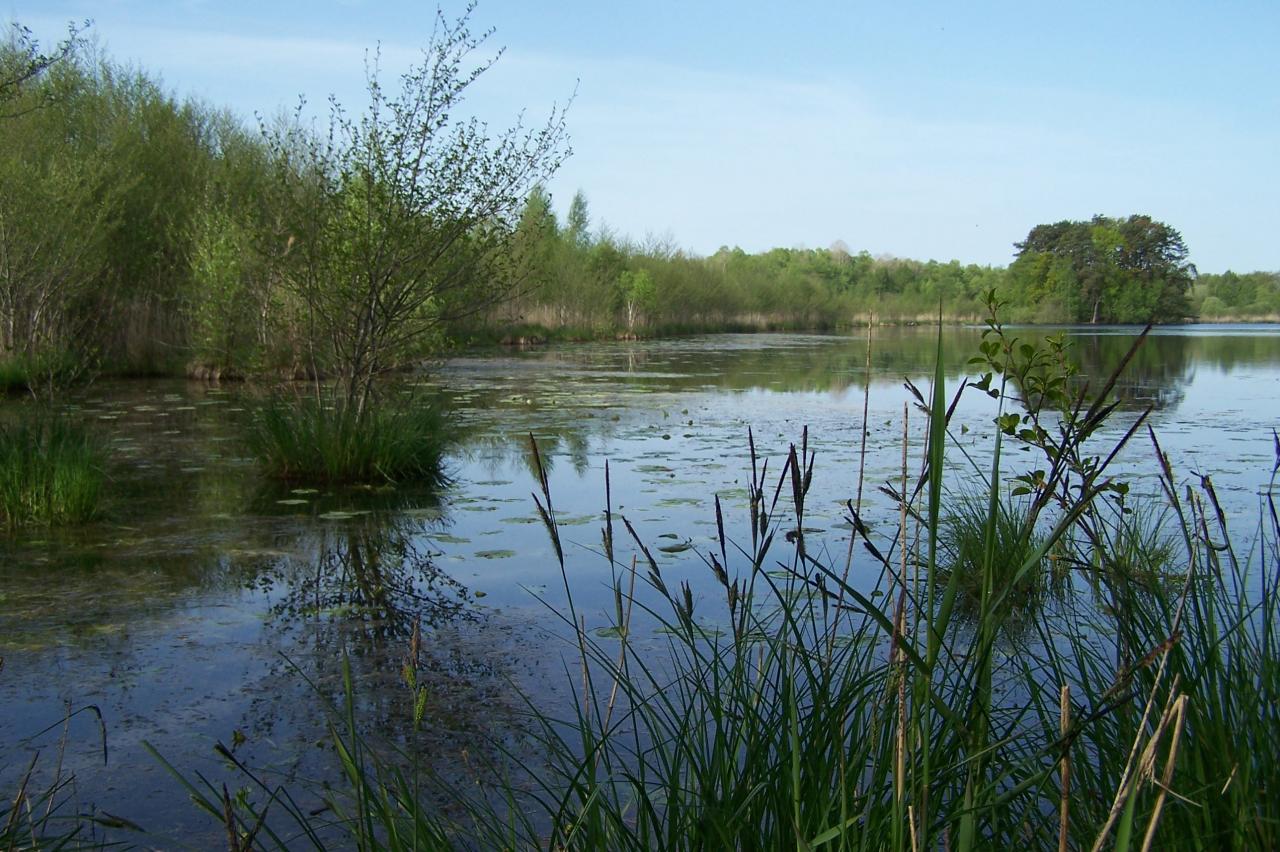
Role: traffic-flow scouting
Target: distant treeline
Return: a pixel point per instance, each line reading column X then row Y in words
column 590, row 283
column 144, row 234
column 1229, row 297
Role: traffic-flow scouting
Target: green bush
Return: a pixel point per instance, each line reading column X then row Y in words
column 51, row 471
column 322, row 439
column 13, row 376
column 39, row 374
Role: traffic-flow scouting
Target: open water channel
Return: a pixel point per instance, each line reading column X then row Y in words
column 210, row 606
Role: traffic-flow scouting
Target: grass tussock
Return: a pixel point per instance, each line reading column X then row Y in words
column 1018, row 562
column 320, row 439
column 51, row 471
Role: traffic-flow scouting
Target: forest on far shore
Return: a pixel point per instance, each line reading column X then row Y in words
column 144, row 234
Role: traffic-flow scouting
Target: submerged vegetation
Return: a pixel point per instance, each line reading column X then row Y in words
column 51, row 470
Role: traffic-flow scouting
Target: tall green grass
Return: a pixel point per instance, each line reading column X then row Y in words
column 803, row 710
column 322, row 439
column 51, row 470
column 963, row 540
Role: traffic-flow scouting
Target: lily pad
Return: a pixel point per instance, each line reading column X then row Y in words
column 495, row 554
column 342, row 516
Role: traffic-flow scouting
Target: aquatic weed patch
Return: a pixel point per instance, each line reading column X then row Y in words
column 315, row 438
column 52, row 470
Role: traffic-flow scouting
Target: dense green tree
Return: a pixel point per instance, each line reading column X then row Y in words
column 638, row 296
column 1108, row 270
column 1237, row 296
column 56, row 200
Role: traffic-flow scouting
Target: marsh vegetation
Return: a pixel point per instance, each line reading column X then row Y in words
column 716, row 690
column 987, row 607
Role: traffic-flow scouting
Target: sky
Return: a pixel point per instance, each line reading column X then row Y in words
column 924, row 130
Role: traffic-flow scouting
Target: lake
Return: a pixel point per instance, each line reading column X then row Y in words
column 207, row 605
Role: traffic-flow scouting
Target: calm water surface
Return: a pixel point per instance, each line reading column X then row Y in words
column 208, row 605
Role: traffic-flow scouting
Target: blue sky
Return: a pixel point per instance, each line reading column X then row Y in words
column 926, row 130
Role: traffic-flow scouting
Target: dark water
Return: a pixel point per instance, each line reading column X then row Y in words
column 211, row 606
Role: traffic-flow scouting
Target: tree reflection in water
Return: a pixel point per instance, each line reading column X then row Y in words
column 369, row 580
column 364, row 584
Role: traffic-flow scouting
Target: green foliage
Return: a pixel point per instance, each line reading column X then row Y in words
column 51, row 470
column 55, row 196
column 1233, row 297
column 1132, row 270
column 637, row 294
column 239, row 323
column 104, row 179
column 322, row 438
column 153, row 233
column 599, row 283
column 578, row 223
column 40, row 375
column 405, row 218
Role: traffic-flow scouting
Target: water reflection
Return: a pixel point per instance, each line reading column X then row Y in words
column 356, row 590
column 1156, row 376
column 354, row 593
column 185, row 610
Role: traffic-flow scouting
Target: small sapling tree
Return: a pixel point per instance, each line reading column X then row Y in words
column 404, row 219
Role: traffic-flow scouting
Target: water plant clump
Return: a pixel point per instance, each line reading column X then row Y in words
column 1141, row 543
column 321, row 438
column 1018, row 566
column 51, row 470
